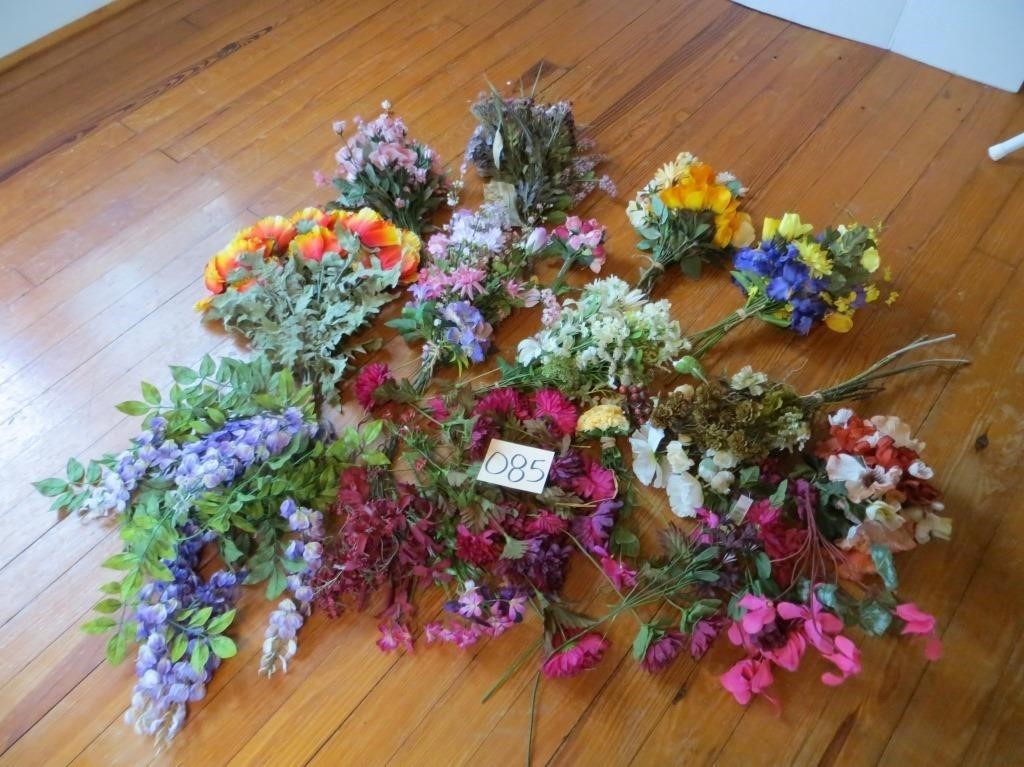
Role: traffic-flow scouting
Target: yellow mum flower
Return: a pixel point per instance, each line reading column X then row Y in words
column 603, row 418
column 871, row 293
column 870, row 260
column 840, row 323
column 816, row 258
column 891, row 298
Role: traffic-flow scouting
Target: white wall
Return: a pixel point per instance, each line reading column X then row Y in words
column 979, row 39
column 24, row 21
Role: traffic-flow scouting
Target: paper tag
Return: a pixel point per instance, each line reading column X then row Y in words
column 503, row 194
column 739, row 511
column 519, row 467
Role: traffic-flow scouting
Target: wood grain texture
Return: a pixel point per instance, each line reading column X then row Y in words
column 133, row 150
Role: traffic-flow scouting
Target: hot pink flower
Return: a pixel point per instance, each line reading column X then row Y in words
column 748, row 678
column 438, row 410
column 846, row 657
column 921, row 623
column 502, row 402
column 596, row 483
column 759, row 613
column 555, row 408
column 370, row 378
column 580, row 654
column 623, row 577
column 435, row 632
column 818, row 625
column 788, row 655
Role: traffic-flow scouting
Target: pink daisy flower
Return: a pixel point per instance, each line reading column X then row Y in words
column 502, row 402
column 554, row 407
column 370, row 378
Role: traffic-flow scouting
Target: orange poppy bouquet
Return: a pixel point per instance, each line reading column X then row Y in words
column 297, row 289
column 688, row 215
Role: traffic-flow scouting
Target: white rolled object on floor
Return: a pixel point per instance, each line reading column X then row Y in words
column 1000, row 150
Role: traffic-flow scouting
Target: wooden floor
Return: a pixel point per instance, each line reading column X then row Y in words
column 131, row 152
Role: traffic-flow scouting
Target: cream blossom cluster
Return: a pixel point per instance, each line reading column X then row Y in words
column 611, row 335
column 672, row 470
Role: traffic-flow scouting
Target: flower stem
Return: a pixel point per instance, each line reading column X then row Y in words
column 705, row 340
column 423, row 376
column 557, row 285
column 533, row 719
column 513, row 668
column 861, row 385
column 648, row 277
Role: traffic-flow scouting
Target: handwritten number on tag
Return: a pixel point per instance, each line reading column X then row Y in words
column 515, row 468
column 520, row 467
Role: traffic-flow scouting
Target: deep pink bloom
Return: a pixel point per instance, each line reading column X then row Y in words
column 618, row 573
column 555, row 408
column 921, row 623
column 748, row 678
column 708, row 521
column 580, row 654
column 661, row 652
column 477, row 548
column 438, row 410
column 781, row 541
column 353, row 486
column 484, row 430
column 596, row 483
column 918, row 621
column 502, row 402
column 466, row 636
column 370, row 378
column 546, row 523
